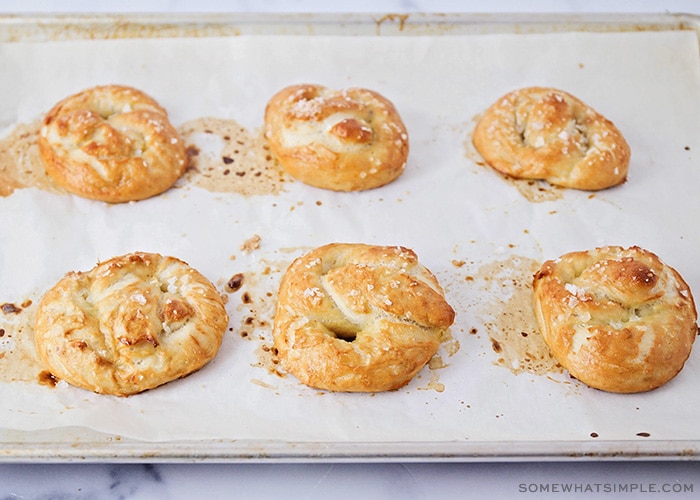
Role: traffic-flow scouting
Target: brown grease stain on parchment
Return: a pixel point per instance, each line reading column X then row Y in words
column 20, row 162
column 256, row 311
column 535, row 191
column 449, row 346
column 19, row 361
column 240, row 163
column 509, row 316
column 257, row 300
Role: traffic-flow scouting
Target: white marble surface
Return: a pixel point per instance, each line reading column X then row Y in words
column 340, row 481
column 357, row 480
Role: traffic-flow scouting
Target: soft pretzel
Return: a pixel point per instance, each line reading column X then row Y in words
column 345, row 140
column 111, row 143
column 548, row 134
column 617, row 319
column 130, row 324
column 359, row 318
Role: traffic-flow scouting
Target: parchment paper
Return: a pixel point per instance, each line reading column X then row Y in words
column 478, row 232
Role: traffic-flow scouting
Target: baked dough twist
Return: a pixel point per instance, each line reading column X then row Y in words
column 130, row 324
column 359, row 318
column 617, row 319
column 545, row 133
column 347, row 140
column 111, row 143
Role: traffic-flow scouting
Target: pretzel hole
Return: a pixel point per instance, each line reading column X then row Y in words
column 643, row 310
column 343, row 334
column 106, row 114
column 346, row 337
column 167, row 287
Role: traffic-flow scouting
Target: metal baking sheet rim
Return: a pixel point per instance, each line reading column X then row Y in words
column 84, row 447
column 56, row 27
column 216, row 451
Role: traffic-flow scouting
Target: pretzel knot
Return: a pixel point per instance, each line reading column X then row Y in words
column 359, row 318
column 346, row 140
column 548, row 134
column 111, row 143
column 130, row 324
column 617, row 319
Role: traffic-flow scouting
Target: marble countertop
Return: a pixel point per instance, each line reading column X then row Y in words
column 367, row 481
column 583, row 479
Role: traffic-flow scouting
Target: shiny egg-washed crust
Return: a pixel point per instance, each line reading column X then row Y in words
column 130, row 324
column 359, row 318
column 342, row 140
column 618, row 319
column 548, row 134
column 111, row 143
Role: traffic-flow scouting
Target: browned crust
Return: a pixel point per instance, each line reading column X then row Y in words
column 111, row 143
column 343, row 140
column 130, row 324
column 617, row 319
column 359, row 318
column 545, row 133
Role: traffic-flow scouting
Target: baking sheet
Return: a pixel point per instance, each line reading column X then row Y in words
column 482, row 235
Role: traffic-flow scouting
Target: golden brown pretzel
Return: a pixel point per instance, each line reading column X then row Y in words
column 359, row 318
column 130, row 324
column 545, row 133
column 618, row 319
column 111, row 143
column 345, row 140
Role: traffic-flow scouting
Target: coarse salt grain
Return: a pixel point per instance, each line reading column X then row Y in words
column 307, row 108
column 313, row 263
column 574, row 290
column 314, row 293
